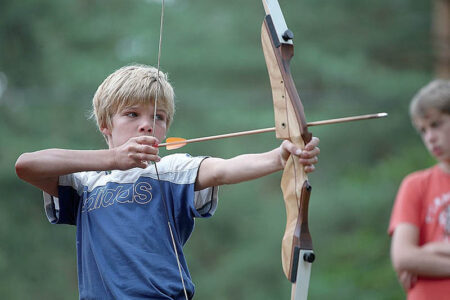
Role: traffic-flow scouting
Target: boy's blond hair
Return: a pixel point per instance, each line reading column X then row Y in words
column 131, row 85
column 435, row 95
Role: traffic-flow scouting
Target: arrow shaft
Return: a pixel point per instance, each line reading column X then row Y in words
column 348, row 119
column 220, row 136
column 270, row 129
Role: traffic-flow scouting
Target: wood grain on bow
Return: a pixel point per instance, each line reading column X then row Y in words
column 290, row 123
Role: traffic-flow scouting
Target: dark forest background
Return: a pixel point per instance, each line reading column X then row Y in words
column 351, row 57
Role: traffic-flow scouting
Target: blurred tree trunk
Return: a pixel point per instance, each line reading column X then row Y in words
column 441, row 38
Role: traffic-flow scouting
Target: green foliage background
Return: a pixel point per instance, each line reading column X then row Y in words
column 352, row 57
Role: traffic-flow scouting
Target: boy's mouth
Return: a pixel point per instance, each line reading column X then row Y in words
column 437, row 151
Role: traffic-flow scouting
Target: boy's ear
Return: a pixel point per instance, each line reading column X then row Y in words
column 105, row 130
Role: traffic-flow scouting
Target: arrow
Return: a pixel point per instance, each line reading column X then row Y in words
column 177, row 142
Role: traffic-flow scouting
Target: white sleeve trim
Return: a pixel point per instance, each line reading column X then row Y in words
column 206, row 200
column 51, row 206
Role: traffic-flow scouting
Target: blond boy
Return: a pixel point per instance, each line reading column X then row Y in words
column 121, row 202
column 420, row 221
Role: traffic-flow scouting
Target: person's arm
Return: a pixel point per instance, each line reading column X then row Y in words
column 217, row 171
column 409, row 259
column 43, row 168
column 440, row 248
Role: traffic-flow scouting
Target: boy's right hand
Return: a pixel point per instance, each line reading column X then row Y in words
column 137, row 152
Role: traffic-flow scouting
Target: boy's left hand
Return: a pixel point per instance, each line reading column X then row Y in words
column 307, row 157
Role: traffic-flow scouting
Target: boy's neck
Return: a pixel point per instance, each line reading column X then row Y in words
column 445, row 167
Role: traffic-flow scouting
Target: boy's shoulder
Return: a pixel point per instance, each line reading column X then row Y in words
column 423, row 176
column 179, row 161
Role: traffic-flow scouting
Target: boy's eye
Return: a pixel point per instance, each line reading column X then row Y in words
column 161, row 117
column 131, row 114
column 435, row 124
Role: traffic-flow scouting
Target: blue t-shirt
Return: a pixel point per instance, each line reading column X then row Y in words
column 124, row 248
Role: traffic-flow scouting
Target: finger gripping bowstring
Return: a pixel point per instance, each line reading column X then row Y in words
column 158, row 86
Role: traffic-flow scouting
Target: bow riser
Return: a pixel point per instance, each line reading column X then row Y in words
column 290, row 124
column 290, row 120
column 280, row 103
column 296, row 193
column 286, row 53
column 302, row 238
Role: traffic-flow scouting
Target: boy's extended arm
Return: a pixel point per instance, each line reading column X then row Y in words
column 43, row 168
column 216, row 171
column 431, row 260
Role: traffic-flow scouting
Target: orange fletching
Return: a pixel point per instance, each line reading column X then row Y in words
column 175, row 143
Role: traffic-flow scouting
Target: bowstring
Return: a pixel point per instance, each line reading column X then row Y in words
column 158, row 85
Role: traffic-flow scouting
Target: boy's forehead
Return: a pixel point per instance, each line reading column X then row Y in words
column 145, row 105
column 134, row 102
column 431, row 114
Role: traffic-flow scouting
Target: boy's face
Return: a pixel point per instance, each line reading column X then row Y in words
column 434, row 128
column 136, row 120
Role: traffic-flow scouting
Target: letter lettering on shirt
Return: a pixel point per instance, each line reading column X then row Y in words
column 124, row 194
column 142, row 193
column 98, row 201
column 91, row 199
column 110, row 195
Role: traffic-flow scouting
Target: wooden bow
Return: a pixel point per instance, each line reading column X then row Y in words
column 297, row 248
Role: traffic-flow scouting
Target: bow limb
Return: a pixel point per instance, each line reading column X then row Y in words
column 290, row 123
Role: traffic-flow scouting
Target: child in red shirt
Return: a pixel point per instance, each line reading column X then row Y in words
column 420, row 221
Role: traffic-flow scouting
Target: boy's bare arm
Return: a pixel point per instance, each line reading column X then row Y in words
column 217, row 171
column 407, row 255
column 442, row 248
column 43, row 168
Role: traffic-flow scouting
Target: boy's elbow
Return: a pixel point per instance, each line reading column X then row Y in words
column 403, row 261
column 397, row 264
column 22, row 167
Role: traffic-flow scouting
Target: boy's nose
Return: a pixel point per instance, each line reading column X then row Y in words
column 430, row 136
column 146, row 127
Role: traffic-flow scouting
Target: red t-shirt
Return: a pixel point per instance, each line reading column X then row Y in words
column 424, row 201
